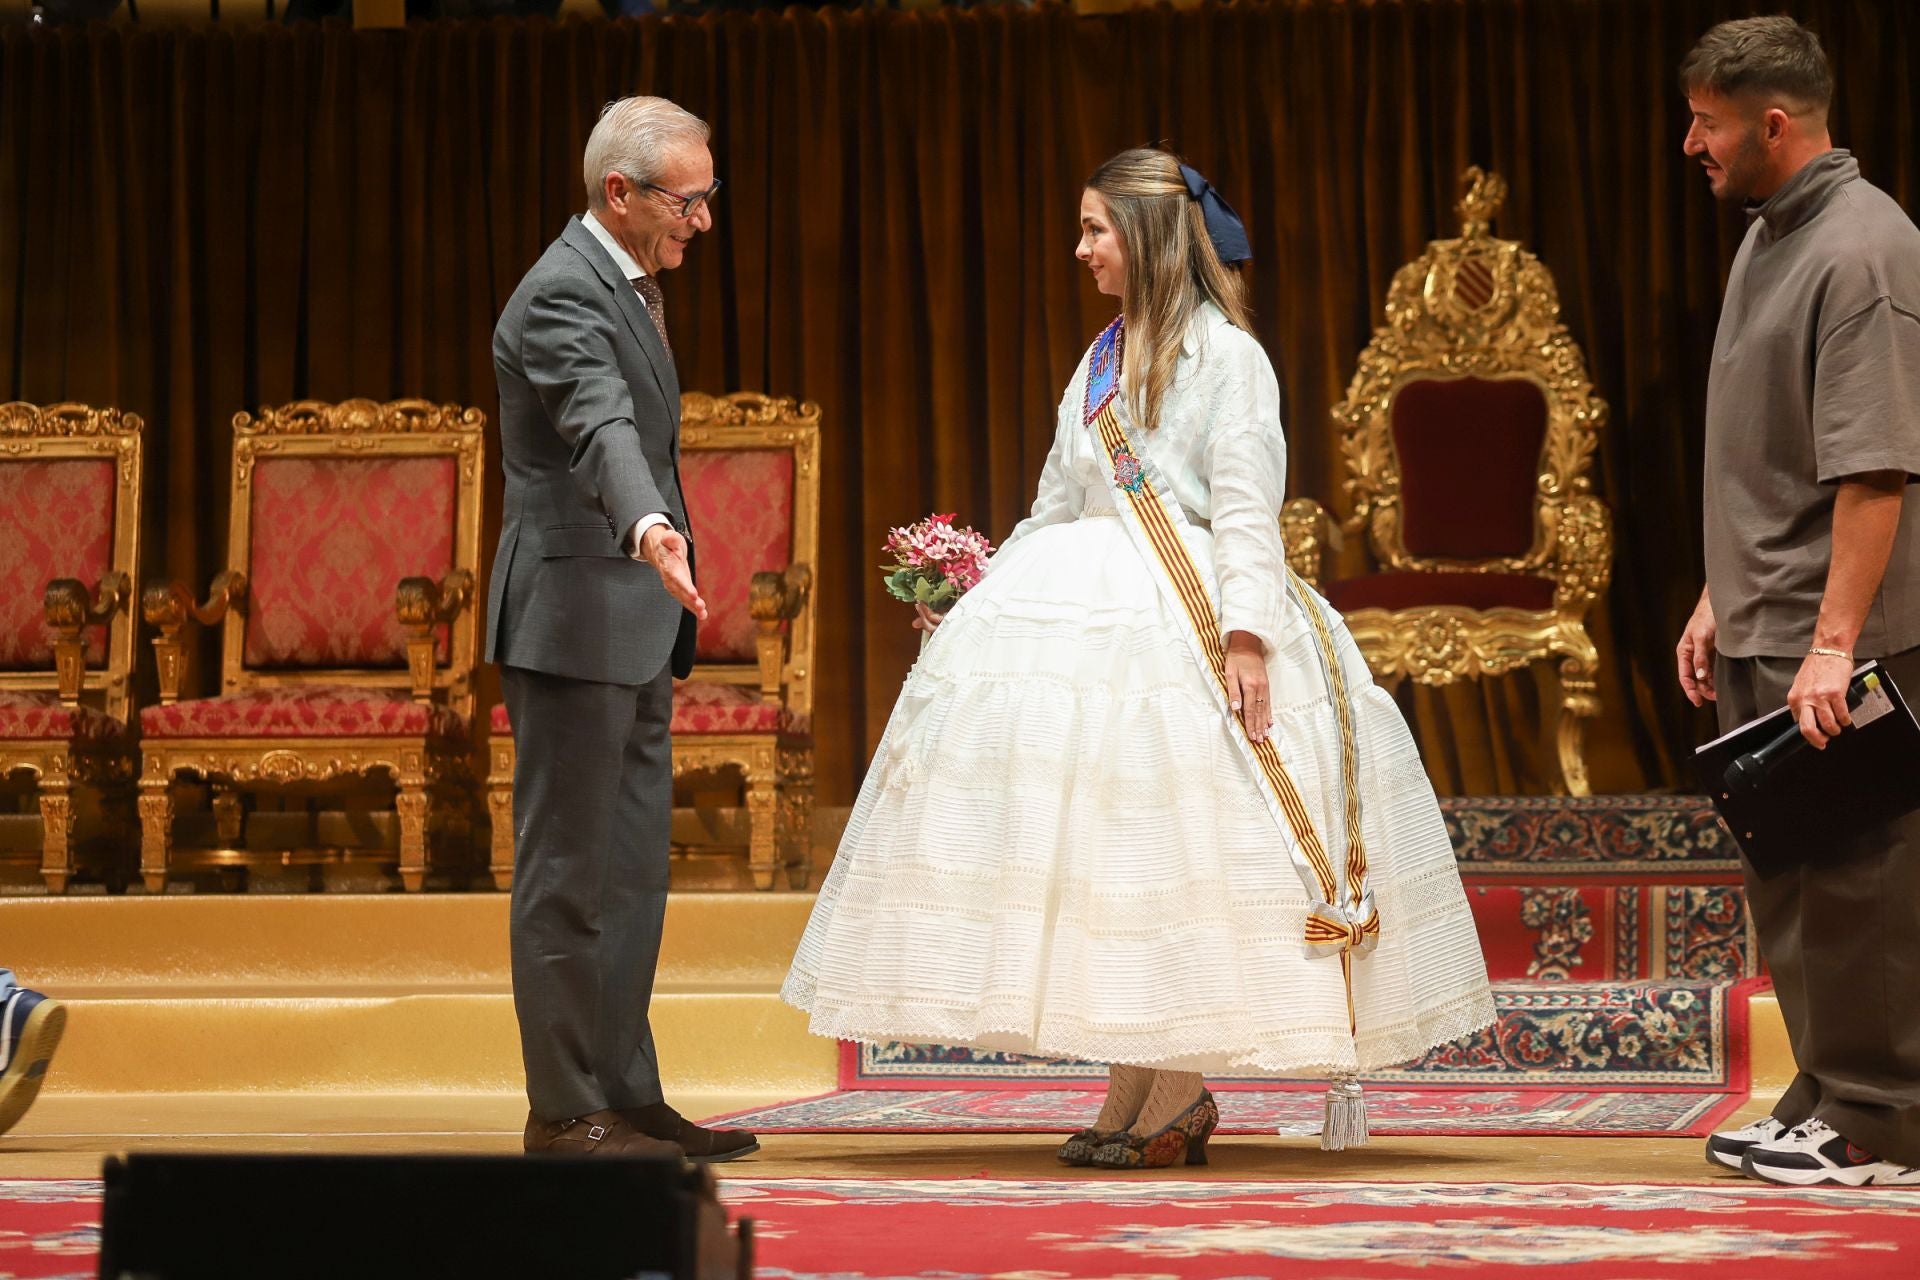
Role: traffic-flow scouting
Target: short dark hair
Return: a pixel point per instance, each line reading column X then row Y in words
column 1773, row 57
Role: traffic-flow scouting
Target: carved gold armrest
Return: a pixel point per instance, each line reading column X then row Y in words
column 423, row 604
column 169, row 606
column 71, row 609
column 1584, row 553
column 1308, row 532
column 774, row 598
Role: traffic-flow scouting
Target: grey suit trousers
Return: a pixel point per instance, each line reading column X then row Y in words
column 592, row 803
column 1841, row 935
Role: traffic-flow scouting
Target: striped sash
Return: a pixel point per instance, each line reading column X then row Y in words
column 1342, row 920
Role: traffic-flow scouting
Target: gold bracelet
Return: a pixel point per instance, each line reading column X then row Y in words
column 1829, row 653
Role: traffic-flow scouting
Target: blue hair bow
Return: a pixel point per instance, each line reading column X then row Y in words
column 1224, row 228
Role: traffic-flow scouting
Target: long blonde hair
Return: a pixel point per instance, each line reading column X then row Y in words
column 1171, row 269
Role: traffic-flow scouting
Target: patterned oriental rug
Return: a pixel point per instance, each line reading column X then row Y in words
column 1660, row 1060
column 1548, row 1035
column 1152, row 1229
column 1294, row 1112
column 980, row 1229
column 1603, row 888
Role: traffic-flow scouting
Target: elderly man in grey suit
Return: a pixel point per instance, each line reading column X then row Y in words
column 592, row 612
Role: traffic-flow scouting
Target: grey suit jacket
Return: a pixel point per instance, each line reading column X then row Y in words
column 590, row 439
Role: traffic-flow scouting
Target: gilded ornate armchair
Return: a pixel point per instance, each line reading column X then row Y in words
column 750, row 468
column 347, row 641
column 1468, row 433
column 69, row 538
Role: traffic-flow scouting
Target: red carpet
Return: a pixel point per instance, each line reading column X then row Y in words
column 1161, row 1227
column 1291, row 1111
column 1169, row 1229
column 49, row 1229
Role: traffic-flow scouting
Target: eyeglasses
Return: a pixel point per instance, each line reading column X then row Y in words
column 689, row 205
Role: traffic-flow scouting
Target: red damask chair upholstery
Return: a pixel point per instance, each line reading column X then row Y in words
column 347, row 643
column 69, row 538
column 1468, row 432
column 751, row 471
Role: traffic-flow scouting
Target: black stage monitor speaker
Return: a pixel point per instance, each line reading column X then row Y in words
column 294, row 1217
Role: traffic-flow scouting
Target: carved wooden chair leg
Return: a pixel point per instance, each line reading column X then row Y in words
column 762, row 806
column 796, row 816
column 156, row 831
column 500, row 810
column 411, row 804
column 56, row 831
column 1579, row 701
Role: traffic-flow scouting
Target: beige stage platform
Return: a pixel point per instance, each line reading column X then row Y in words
column 384, row 1023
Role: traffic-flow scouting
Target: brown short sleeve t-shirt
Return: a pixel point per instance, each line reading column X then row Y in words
column 1816, row 377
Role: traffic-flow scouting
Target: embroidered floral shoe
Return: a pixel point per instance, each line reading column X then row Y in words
column 1186, row 1136
column 1730, row 1146
column 30, row 1028
column 1078, row 1150
column 1815, row 1155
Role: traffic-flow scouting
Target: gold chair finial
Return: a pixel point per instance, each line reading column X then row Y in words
column 1482, row 194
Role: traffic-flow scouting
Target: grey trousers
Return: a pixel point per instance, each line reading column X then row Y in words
column 1841, row 936
column 592, row 805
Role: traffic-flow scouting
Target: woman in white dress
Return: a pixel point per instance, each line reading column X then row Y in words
column 1113, row 814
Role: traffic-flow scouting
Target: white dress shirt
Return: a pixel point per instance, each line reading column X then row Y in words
column 631, row 270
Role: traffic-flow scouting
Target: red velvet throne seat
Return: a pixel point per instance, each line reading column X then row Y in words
column 347, row 631
column 1468, row 433
column 750, row 468
column 69, row 538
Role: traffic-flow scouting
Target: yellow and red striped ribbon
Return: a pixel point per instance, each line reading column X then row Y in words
column 1341, row 928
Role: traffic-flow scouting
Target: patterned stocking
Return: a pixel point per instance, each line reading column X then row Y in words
column 1172, row 1093
column 1127, row 1090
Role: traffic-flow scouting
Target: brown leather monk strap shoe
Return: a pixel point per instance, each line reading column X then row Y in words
column 707, row 1146
column 601, row 1133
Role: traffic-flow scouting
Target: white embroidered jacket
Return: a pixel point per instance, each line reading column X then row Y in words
column 1219, row 444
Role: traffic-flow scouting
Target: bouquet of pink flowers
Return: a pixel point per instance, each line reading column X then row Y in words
column 934, row 563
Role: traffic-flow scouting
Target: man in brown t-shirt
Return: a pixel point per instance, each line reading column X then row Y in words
column 1813, row 564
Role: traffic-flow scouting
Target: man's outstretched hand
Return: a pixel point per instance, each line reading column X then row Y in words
column 664, row 549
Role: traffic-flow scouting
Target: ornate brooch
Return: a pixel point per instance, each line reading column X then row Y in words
column 1127, row 472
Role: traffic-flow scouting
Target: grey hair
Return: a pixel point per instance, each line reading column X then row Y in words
column 1773, row 57
column 633, row 139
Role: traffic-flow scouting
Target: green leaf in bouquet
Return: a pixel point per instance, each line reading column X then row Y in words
column 900, row 584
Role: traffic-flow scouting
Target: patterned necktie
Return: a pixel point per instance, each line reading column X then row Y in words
column 649, row 291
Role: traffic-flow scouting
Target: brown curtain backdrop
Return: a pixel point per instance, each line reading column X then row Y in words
column 195, row 221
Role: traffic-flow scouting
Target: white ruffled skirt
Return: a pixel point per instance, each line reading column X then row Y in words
column 1060, row 851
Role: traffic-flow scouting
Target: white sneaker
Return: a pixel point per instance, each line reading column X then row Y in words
column 1727, row 1149
column 1815, row 1155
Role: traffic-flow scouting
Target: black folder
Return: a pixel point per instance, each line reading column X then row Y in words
column 1790, row 805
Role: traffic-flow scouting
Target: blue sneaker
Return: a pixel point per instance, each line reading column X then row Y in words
column 30, row 1027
